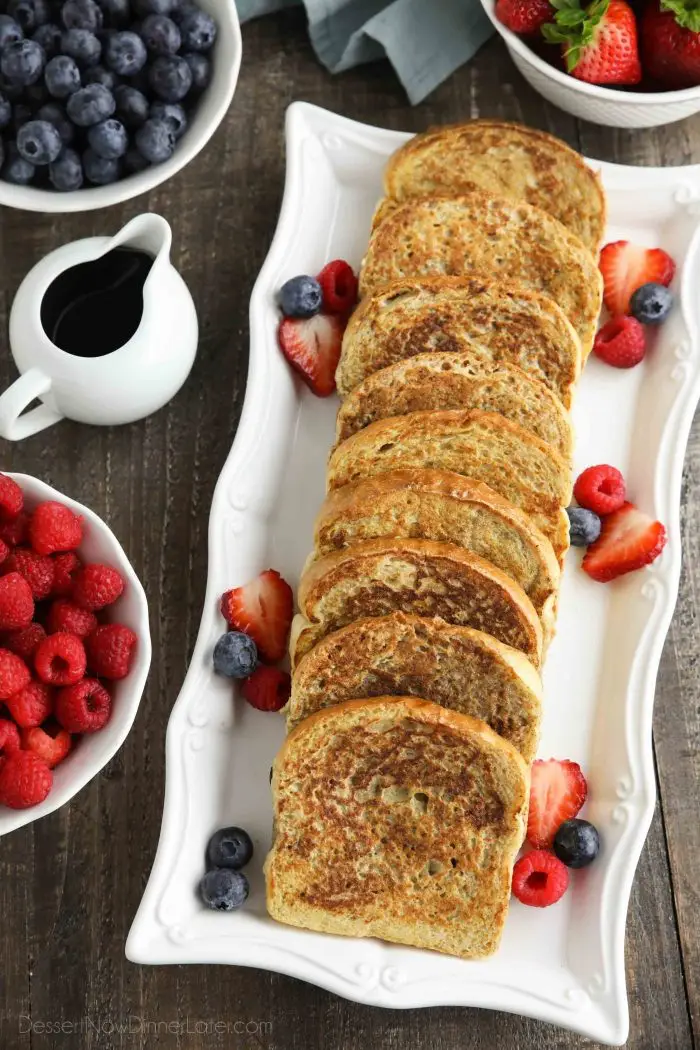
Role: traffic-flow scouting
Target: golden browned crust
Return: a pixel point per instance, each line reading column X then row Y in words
column 423, row 577
column 480, row 445
column 399, row 819
column 404, row 655
column 492, row 321
column 431, row 382
column 506, row 159
column 483, row 234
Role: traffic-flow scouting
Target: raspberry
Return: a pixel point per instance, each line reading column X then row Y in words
column 63, row 615
column 54, row 527
column 621, row 342
column 267, row 689
column 24, row 780
column 83, row 708
column 64, row 566
column 109, row 650
column 339, row 287
column 96, row 586
column 31, row 706
column 4, row 551
column 60, row 659
column 25, row 641
column 14, row 532
column 600, row 489
column 11, row 498
column 14, row 674
column 540, row 879
column 16, row 602
column 37, row 570
column 50, row 746
column 9, row 737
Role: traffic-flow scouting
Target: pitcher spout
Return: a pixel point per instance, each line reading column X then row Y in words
column 149, row 233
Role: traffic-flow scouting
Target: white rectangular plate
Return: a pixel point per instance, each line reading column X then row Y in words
column 564, row 965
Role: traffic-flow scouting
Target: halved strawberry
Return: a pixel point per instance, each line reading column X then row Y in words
column 629, row 539
column 558, row 789
column 263, row 610
column 312, row 347
column 626, row 267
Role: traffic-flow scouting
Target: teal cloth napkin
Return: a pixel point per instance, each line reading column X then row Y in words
column 425, row 40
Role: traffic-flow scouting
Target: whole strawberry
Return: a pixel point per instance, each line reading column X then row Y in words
column 670, row 37
column 599, row 41
column 525, row 17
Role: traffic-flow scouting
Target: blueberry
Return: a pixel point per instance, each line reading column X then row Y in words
column 134, row 162
column 198, row 30
column 170, row 78
column 22, row 62
column 172, row 114
column 651, row 304
column 155, row 141
column 56, row 115
column 62, row 76
column 108, row 139
column 5, row 111
column 101, row 171
column 118, row 12
column 66, row 172
column 235, row 655
column 82, row 14
column 132, row 106
column 48, row 36
column 160, row 35
column 39, row 142
column 29, row 13
column 229, row 848
column 584, row 526
column 100, row 75
column 576, row 843
column 36, row 94
column 83, row 46
column 125, row 53
column 300, row 297
column 16, row 169
column 200, row 68
column 90, row 105
column 21, row 115
column 156, row 7
column 10, row 31
column 223, row 889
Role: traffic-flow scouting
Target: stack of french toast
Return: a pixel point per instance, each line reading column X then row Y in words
column 430, row 598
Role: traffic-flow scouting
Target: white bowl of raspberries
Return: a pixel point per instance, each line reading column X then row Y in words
column 101, row 100
column 75, row 648
column 620, row 63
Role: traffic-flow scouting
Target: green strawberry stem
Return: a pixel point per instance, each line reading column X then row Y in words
column 575, row 26
column 687, row 12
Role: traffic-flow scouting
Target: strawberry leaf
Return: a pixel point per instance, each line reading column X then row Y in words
column 575, row 27
column 687, row 12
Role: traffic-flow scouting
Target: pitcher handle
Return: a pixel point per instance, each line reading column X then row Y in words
column 15, row 423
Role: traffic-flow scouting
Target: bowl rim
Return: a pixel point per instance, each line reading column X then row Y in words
column 12, row 819
column 89, row 198
column 518, row 45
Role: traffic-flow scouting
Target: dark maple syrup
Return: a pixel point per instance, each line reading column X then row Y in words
column 95, row 308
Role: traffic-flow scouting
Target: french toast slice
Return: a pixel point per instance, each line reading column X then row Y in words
column 399, row 819
column 423, row 577
column 480, row 445
column 506, row 159
column 442, row 505
column 431, row 382
column 403, row 655
column 479, row 233
column 493, row 322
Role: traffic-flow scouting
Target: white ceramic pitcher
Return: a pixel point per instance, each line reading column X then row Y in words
column 127, row 384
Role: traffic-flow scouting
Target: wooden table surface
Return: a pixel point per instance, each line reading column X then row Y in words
column 70, row 884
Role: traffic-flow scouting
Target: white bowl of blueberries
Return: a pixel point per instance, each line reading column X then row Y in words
column 101, row 100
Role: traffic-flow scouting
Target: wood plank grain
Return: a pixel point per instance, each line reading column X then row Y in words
column 70, row 885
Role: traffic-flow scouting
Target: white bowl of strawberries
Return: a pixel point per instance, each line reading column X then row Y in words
column 75, row 648
column 622, row 64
